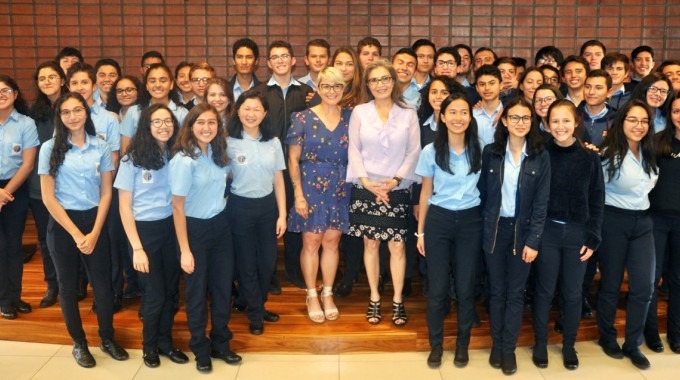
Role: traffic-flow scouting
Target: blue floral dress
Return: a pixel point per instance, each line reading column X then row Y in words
column 323, row 169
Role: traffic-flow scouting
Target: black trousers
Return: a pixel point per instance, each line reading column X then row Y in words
column 12, row 225
column 120, row 251
column 66, row 256
column 255, row 244
column 559, row 261
column 160, row 284
column 41, row 216
column 666, row 242
column 211, row 245
column 627, row 245
column 507, row 279
column 453, row 243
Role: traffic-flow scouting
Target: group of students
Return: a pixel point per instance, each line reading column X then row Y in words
column 489, row 182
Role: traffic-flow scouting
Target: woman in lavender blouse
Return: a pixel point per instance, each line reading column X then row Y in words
column 384, row 144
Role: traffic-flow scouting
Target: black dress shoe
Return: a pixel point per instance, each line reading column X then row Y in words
column 270, row 316
column 654, row 343
column 461, row 357
column 83, row 356
column 204, row 365
column 50, row 297
column 613, row 351
column 637, row 358
column 175, row 356
column 540, row 356
column 586, row 309
column 117, row 303
column 343, row 290
column 256, row 328
column 8, row 312
column 23, row 307
column 569, row 358
column 151, row 359
column 112, row 349
column 229, row 357
column 275, row 286
column 435, row 358
column 509, row 365
column 238, row 307
column 496, row 358
column 674, row 346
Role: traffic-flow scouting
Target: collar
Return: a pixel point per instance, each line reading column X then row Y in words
column 430, row 121
column 524, row 149
column 250, row 138
column 273, row 82
column 238, row 86
column 600, row 115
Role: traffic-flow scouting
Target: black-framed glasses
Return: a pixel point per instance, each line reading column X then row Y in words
column 635, row 121
column 78, row 111
column 282, row 57
column 158, row 123
column 200, row 80
column 546, row 100
column 329, row 87
column 376, row 81
column 446, row 63
column 126, row 90
column 660, row 91
column 514, row 119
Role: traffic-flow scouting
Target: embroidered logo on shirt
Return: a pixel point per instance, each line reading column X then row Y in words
column 241, row 159
column 147, row 177
column 16, row 149
column 96, row 169
column 102, row 136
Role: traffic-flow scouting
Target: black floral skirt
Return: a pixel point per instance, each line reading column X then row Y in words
column 378, row 221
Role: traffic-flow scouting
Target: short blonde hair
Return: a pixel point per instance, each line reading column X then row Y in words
column 330, row 74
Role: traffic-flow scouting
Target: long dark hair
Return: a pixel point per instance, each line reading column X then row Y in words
column 42, row 107
column 500, row 137
column 172, row 95
column 664, row 139
column 19, row 103
column 615, row 145
column 235, row 124
column 61, row 133
column 186, row 141
column 112, row 103
column 426, row 109
column 441, row 139
column 143, row 150
column 640, row 91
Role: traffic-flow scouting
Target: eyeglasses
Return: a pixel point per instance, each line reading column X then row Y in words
column 200, row 80
column 127, row 90
column 376, row 81
column 446, row 63
column 551, row 80
column 7, row 91
column 654, row 90
column 334, row 87
column 635, row 121
column 514, row 119
column 158, row 123
column 546, row 61
column 282, row 57
column 545, row 100
column 51, row 78
column 78, row 111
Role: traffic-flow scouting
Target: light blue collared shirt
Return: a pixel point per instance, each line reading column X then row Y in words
column 253, row 165
column 293, row 82
column 307, row 79
column 457, row 191
column 151, row 196
column 412, row 95
column 238, row 90
column 201, row 182
column 659, row 121
column 16, row 135
column 106, row 126
column 465, row 83
column 130, row 122
column 430, row 121
column 511, row 170
column 427, row 80
column 97, row 97
column 630, row 186
column 77, row 185
column 485, row 123
column 599, row 115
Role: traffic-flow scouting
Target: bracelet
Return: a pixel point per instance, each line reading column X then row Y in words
column 419, row 235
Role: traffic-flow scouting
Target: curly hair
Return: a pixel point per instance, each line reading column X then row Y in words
column 441, row 139
column 186, row 141
column 534, row 139
column 615, row 145
column 62, row 133
column 19, row 102
column 144, row 150
column 42, row 107
column 112, row 103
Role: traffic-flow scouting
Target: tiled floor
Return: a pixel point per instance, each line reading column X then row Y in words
column 20, row 360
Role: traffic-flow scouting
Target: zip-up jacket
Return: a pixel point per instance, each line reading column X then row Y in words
column 532, row 200
column 595, row 129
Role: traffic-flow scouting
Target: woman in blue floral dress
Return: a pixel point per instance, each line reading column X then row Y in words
column 317, row 163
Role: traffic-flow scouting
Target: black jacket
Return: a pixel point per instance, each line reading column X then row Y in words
column 533, row 194
column 595, row 129
column 280, row 108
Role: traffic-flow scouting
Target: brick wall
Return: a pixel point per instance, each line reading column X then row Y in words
column 34, row 30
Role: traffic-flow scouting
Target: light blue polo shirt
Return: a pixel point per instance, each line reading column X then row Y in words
column 106, row 125
column 253, row 165
column 16, row 135
column 201, row 182
column 151, row 196
column 457, row 191
column 630, row 186
column 510, row 181
column 78, row 182
column 130, row 122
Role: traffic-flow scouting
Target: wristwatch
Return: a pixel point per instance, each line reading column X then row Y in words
column 398, row 179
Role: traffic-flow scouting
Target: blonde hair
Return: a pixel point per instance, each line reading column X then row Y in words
column 330, row 74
